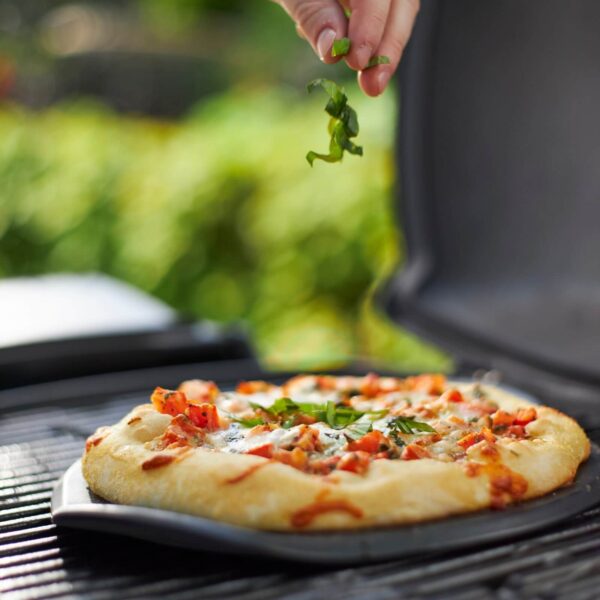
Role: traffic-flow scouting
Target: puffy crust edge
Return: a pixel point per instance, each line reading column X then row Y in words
column 199, row 481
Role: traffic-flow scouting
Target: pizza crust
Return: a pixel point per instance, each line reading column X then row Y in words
column 256, row 492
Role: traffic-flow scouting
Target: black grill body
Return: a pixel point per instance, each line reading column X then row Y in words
column 46, row 433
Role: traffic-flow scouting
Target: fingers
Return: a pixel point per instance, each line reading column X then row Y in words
column 366, row 30
column 376, row 27
column 319, row 21
column 397, row 32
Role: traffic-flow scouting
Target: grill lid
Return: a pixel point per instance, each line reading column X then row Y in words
column 498, row 155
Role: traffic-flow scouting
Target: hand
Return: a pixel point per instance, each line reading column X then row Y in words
column 375, row 27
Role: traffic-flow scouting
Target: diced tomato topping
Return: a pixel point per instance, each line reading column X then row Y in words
column 198, row 391
column 251, row 387
column 516, row 431
column 490, row 450
column 414, row 452
column 266, row 451
column 482, row 409
column 372, row 442
column 325, row 382
column 430, row 384
column 475, row 437
column 205, row 416
column 425, row 411
column 170, row 402
column 369, row 386
column 308, row 381
column 324, row 466
column 501, row 418
column 487, row 434
column 296, row 458
column 307, row 439
column 264, row 428
column 457, row 421
column 355, row 462
column 469, row 440
column 380, row 455
column 525, row 416
column 180, row 432
column 452, row 396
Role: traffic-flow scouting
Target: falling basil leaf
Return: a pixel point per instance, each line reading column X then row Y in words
column 378, row 60
column 335, row 92
column 350, row 118
column 340, row 47
column 342, row 126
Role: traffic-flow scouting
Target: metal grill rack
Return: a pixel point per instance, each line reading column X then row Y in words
column 41, row 560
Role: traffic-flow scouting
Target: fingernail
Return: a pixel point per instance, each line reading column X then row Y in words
column 382, row 80
column 324, row 43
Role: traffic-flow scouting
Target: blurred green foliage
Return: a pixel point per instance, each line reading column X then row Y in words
column 219, row 215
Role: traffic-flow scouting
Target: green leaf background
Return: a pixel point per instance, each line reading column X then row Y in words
column 217, row 215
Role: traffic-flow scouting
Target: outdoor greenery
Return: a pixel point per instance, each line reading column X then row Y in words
column 219, row 215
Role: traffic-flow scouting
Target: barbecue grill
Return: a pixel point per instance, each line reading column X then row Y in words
column 497, row 144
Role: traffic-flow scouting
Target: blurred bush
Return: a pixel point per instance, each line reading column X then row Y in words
column 219, row 215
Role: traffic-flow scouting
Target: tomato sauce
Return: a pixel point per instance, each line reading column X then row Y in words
column 160, row 460
column 247, row 472
column 305, row 516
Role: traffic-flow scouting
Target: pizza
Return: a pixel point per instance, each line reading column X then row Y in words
column 334, row 452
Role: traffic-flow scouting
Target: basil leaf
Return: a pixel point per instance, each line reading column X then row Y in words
column 317, row 411
column 250, row 422
column 339, row 417
column 282, row 405
column 358, row 429
column 335, row 92
column 333, row 156
column 343, row 140
column 350, row 119
column 397, row 439
column 330, row 414
column 335, row 106
column 378, row 60
column 341, row 47
column 409, row 425
column 336, row 416
column 342, row 126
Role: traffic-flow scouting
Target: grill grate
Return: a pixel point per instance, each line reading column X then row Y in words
column 40, row 560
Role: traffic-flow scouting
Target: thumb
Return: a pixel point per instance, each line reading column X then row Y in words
column 321, row 22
